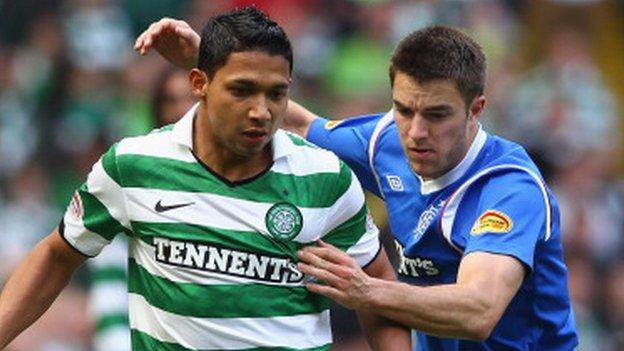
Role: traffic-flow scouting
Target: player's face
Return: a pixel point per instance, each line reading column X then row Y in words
column 245, row 101
column 434, row 126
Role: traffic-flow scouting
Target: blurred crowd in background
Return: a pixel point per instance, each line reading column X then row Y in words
column 71, row 85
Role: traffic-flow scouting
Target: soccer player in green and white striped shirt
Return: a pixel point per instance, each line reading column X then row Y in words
column 215, row 208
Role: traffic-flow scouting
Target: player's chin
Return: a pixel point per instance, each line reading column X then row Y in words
column 424, row 169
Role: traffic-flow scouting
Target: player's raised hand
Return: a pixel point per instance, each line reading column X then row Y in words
column 342, row 278
column 174, row 39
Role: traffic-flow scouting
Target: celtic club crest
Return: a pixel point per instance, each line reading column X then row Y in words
column 284, row 221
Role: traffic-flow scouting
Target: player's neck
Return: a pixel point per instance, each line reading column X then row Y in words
column 222, row 160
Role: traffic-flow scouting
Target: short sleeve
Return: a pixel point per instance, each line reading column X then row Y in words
column 505, row 214
column 349, row 226
column 349, row 139
column 97, row 209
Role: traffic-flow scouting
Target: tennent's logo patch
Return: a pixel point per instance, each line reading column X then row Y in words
column 332, row 124
column 284, row 221
column 492, row 221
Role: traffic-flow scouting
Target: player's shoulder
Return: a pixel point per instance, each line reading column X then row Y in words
column 159, row 143
column 501, row 150
column 511, row 179
column 503, row 166
column 360, row 121
column 308, row 158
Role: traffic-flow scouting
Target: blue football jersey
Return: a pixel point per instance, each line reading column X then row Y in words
column 494, row 201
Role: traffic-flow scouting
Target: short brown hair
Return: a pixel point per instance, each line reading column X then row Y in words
column 441, row 52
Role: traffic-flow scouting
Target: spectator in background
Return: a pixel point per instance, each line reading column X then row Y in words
column 613, row 303
column 171, row 97
column 561, row 108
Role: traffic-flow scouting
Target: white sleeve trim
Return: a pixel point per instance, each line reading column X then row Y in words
column 450, row 208
column 372, row 143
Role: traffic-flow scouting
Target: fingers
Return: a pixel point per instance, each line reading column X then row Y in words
column 325, row 290
column 184, row 31
column 324, row 270
column 329, row 253
column 322, row 274
column 157, row 30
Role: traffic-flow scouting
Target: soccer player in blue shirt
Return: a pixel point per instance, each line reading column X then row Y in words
column 476, row 228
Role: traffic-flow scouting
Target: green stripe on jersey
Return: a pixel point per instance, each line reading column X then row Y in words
column 142, row 342
column 109, row 163
column 223, row 300
column 138, row 172
column 348, row 233
column 96, row 217
column 299, row 141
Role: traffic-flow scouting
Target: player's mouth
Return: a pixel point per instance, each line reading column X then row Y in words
column 420, row 153
column 255, row 136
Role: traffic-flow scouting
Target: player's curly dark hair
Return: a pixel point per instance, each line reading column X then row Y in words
column 245, row 29
column 441, row 52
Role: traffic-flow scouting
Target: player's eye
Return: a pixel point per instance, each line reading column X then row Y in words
column 277, row 95
column 405, row 112
column 436, row 116
column 240, row 91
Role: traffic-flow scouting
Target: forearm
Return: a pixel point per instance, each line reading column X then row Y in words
column 384, row 334
column 31, row 289
column 445, row 310
column 298, row 119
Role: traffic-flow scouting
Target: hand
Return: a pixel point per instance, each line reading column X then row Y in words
column 344, row 281
column 174, row 39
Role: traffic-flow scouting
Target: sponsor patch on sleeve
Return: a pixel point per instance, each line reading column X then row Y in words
column 332, row 124
column 75, row 207
column 492, row 221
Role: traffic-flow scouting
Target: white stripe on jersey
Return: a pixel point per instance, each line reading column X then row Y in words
column 304, row 163
column 81, row 238
column 144, row 254
column 105, row 189
column 301, row 331
column 157, row 144
column 222, row 212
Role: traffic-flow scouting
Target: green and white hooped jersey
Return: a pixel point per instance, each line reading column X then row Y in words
column 212, row 265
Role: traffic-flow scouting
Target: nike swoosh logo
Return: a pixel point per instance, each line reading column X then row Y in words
column 162, row 208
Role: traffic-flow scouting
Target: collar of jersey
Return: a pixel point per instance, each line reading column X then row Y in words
column 183, row 134
column 433, row 185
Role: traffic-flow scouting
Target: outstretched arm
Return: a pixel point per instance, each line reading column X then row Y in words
column 178, row 43
column 468, row 309
column 35, row 284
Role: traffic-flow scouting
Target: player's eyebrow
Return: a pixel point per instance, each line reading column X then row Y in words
column 442, row 109
column 251, row 83
column 399, row 104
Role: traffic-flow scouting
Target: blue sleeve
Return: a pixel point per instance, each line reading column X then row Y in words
column 349, row 140
column 504, row 214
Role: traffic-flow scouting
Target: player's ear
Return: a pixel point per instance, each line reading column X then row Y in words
column 477, row 106
column 198, row 80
